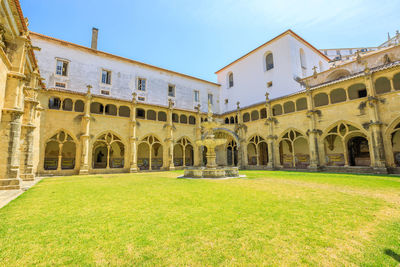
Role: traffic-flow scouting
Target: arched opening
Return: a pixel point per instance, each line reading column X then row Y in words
column 79, row 106
column 54, row 103
column 263, row 113
column 175, row 117
column 108, row 152
column 357, row 91
column 183, row 153
column 232, row 153
column 67, row 104
column 395, row 137
column 111, row 110
column 338, row 95
column 183, row 119
column 301, row 104
column 294, row 150
column 151, row 115
column 269, row 62
column 321, row 99
column 124, row 111
column 396, row 81
column 232, row 120
column 150, row 154
column 254, row 115
column 382, row 85
column 335, row 146
column 204, row 154
column 140, row 113
column 246, row 117
column 358, row 151
column 162, row 116
column 192, row 120
column 60, row 152
column 96, row 108
column 288, row 107
column 227, row 120
column 277, row 110
column 337, row 74
column 257, row 151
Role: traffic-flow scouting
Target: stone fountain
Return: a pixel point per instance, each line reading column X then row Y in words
column 208, row 140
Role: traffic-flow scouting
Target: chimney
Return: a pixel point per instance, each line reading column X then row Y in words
column 95, row 33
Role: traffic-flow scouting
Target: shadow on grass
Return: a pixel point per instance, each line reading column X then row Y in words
column 392, row 254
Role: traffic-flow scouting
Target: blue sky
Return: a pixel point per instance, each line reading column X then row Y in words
column 199, row 37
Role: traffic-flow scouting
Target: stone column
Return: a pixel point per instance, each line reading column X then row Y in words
column 133, row 164
column 375, row 126
column 242, row 153
column 84, row 168
column 170, row 138
column 313, row 132
column 197, row 153
column 270, row 121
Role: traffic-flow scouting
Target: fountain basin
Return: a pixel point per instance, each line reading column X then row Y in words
column 211, row 173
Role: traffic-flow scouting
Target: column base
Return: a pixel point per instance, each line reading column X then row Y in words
column 380, row 170
column 83, row 171
column 28, row 177
column 314, row 168
column 171, row 168
column 133, row 170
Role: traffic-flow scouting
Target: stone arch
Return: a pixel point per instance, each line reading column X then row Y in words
column 108, row 151
column 277, row 110
column 96, row 108
column 263, row 113
column 392, row 134
column 229, row 132
column 336, row 141
column 227, row 154
column 288, row 107
column 175, row 117
column 337, row 74
column 357, row 90
column 67, row 104
column 140, row 113
column 396, row 81
column 294, row 149
column 79, row 106
column 111, row 110
column 321, row 99
column 60, row 151
column 257, row 151
column 232, row 120
column 226, row 120
column 382, row 85
column 301, row 104
column 124, row 111
column 54, row 102
column 150, row 153
column 246, row 117
column 254, row 115
column 183, row 119
column 151, row 115
column 338, row 95
column 162, row 116
column 183, row 152
column 192, row 120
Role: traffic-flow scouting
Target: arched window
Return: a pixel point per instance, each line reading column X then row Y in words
column 111, row 110
column 226, row 120
column 183, row 153
column 96, row 108
column 175, row 117
column 162, row 116
column 293, row 149
column 124, row 111
column 357, row 90
column 232, row 120
column 230, row 79
column 321, row 99
column 303, row 59
column 257, row 151
column 60, row 152
column 288, row 107
column 338, row 95
column 269, row 61
column 67, row 104
column 382, row 85
column 255, row 115
column 246, row 117
column 277, row 110
column 263, row 113
column 140, row 113
column 183, row 119
column 79, row 106
column 151, row 115
column 150, row 154
column 192, row 120
column 54, row 103
column 396, row 81
column 301, row 104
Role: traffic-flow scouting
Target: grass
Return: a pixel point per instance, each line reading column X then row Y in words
column 268, row 218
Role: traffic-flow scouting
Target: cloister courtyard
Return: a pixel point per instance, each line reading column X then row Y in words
column 153, row 218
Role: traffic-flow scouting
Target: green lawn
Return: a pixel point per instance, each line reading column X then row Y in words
column 268, row 218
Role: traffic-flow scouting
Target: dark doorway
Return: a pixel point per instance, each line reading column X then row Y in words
column 359, row 152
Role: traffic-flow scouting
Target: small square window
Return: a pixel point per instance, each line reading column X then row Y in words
column 171, row 90
column 196, row 96
column 226, row 101
column 269, row 84
column 106, row 76
column 210, row 98
column 141, row 98
column 105, row 92
column 60, row 85
column 141, row 84
column 62, row 67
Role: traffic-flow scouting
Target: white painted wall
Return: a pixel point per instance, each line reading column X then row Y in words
column 251, row 77
column 85, row 68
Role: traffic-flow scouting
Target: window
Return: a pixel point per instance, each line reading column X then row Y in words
column 141, row 98
column 269, row 84
column 302, row 59
column 171, row 90
column 230, row 78
column 269, row 62
column 226, row 101
column 106, row 76
column 105, row 92
column 141, row 84
column 196, row 96
column 54, row 103
column 60, row 85
column 62, row 68
column 210, row 98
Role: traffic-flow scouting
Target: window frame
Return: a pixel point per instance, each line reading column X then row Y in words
column 198, row 96
column 139, row 86
column 109, row 76
column 173, row 90
column 210, row 99
column 66, row 69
